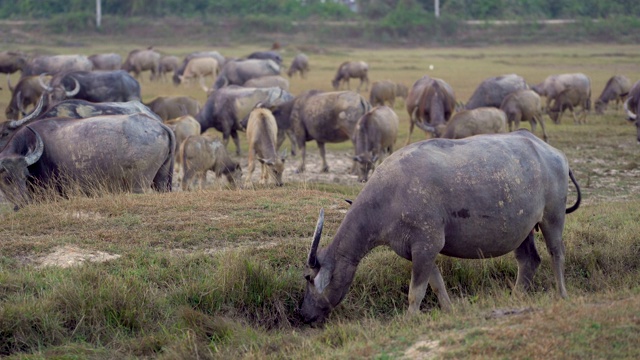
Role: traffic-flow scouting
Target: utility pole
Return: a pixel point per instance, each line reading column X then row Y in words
column 436, row 5
column 98, row 13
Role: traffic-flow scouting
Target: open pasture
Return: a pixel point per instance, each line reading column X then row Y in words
column 218, row 273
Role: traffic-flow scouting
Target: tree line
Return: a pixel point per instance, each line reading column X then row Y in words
column 303, row 9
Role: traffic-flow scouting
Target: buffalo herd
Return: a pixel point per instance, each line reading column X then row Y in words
column 457, row 194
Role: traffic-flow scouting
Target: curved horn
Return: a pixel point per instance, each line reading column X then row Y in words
column 14, row 124
column 75, row 90
column 312, row 261
column 19, row 103
column 12, row 88
column 34, row 155
column 46, row 87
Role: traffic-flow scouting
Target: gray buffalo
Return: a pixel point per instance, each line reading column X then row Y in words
column 238, row 72
column 143, row 60
column 168, row 64
column 616, row 89
column 227, row 107
column 121, row 152
column 268, row 81
column 266, row 55
column 262, row 134
column 202, row 153
column 180, row 70
column 329, row 117
column 351, row 69
column 569, row 99
column 171, row 107
column 374, row 136
column 386, row 91
column 12, row 61
column 94, row 86
column 430, row 103
column 57, row 64
column 108, row 61
column 299, row 64
column 482, row 120
column 631, row 104
column 553, row 85
column 524, row 105
column 473, row 198
column 26, row 92
column 492, row 91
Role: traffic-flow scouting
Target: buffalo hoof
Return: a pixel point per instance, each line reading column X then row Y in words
column 299, row 170
column 325, row 169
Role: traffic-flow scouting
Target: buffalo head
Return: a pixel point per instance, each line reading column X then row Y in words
column 14, row 172
column 366, row 163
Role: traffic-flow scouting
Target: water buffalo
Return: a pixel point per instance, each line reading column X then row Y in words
column 430, row 103
column 472, row 198
column 300, row 64
column 168, row 64
column 555, row 84
column 386, row 91
column 238, row 72
column 524, row 105
column 180, row 70
column 108, row 61
column 201, row 153
column 492, row 91
column 329, row 117
column 26, row 92
column 569, row 98
column 374, row 135
column 266, row 55
column 57, row 64
column 200, row 68
column 268, row 81
column 94, row 86
column 262, row 133
column 226, row 107
column 631, row 104
column 120, row 152
column 12, row 61
column 616, row 89
column 182, row 127
column 351, row 69
column 171, row 107
column 482, row 120
column 142, row 60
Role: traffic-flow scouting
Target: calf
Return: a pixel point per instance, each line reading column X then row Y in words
column 262, row 133
column 482, row 120
column 524, row 105
column 183, row 127
column 201, row 153
column 200, row 68
column 386, row 91
column 569, row 99
column 375, row 134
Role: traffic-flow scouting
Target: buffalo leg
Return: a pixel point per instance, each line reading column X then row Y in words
column 552, row 232
column 303, row 154
column 251, row 167
column 540, row 120
column 325, row 167
column 528, row 262
column 236, row 141
column 423, row 273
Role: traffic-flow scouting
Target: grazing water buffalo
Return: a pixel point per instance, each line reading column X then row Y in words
column 109, row 61
column 430, row 103
column 492, row 91
column 569, row 99
column 171, row 107
column 238, row 72
column 57, row 64
column 94, row 86
column 482, row 120
column 616, row 89
column 524, row 105
column 553, row 85
column 633, row 99
column 142, row 60
column 226, row 107
column 300, row 64
column 326, row 118
column 262, row 134
column 180, row 70
column 201, row 153
column 374, row 135
column 12, row 61
column 168, row 64
column 200, row 68
column 26, row 92
column 268, row 81
column 472, row 198
column 266, row 55
column 386, row 91
column 351, row 69
column 182, row 127
column 122, row 152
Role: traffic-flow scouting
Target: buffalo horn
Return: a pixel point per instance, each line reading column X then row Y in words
column 14, row 124
column 312, row 261
column 35, row 154
column 75, row 90
column 44, row 86
column 9, row 83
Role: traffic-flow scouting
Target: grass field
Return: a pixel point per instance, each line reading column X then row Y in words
column 218, row 273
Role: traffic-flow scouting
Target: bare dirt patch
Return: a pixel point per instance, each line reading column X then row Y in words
column 68, row 256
